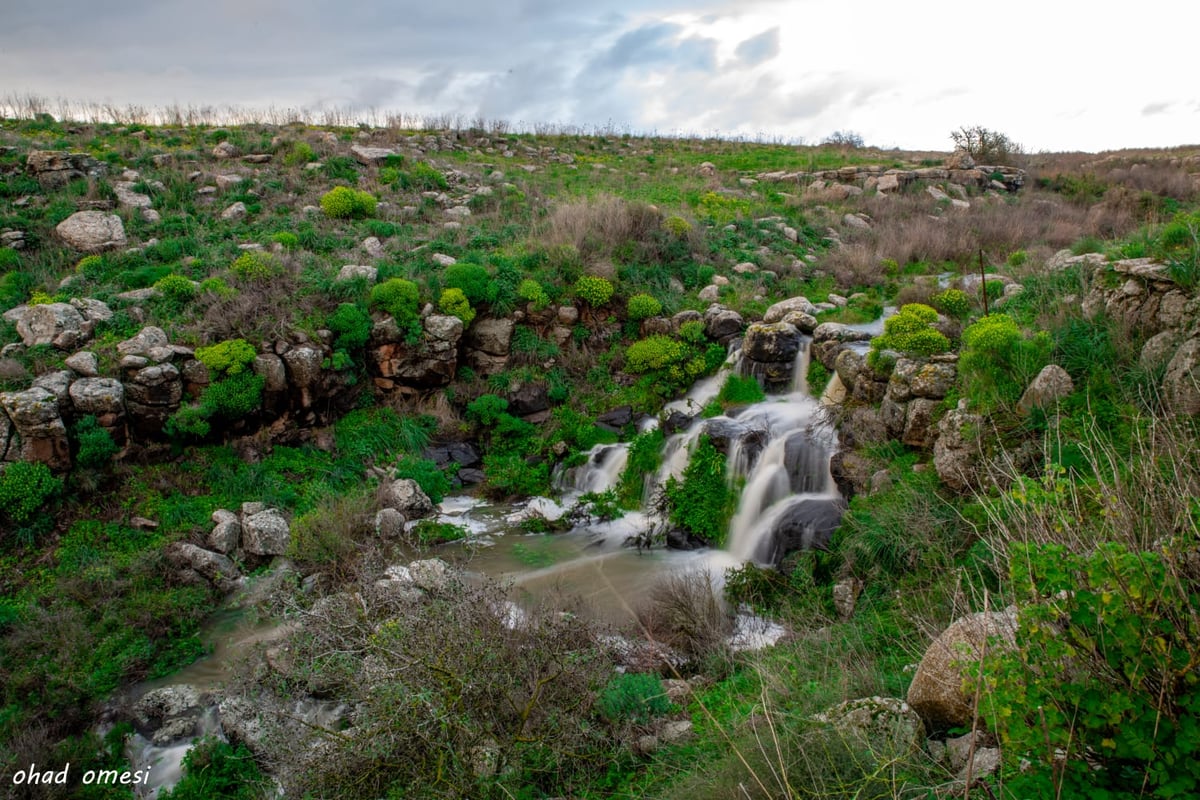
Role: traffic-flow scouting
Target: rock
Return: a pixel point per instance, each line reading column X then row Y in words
column 886, row 726
column 55, row 168
column 213, row 567
column 159, row 706
column 567, row 315
column 373, row 247
column 530, row 398
column 35, row 418
column 303, row 365
column 83, row 363
column 389, row 523
column 986, row 761
column 93, row 232
column 616, row 419
column 888, row 184
column 103, row 398
column 432, row 575
column 271, row 369
column 443, row 260
column 92, row 310
column 57, row 324
column 487, row 344
column 227, row 182
column 960, row 159
column 251, row 508
column 242, row 722
column 225, row 150
column 723, row 324
column 370, row 156
column 776, row 342
column 848, row 365
column 152, row 394
column 806, row 524
column 235, row 211
column 1181, row 384
column 937, row 692
column 266, row 533
column 225, row 537
column 1050, row 386
column 431, row 362
column 149, row 339
column 856, row 221
column 710, row 294
column 464, row 454
column 745, row 268
column 1158, row 350
column 918, row 422
column 845, row 596
column 956, row 451
column 407, row 497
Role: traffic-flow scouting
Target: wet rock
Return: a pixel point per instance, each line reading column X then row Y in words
column 464, row 454
column 936, row 692
column 805, row 525
column 615, row 419
column 777, row 341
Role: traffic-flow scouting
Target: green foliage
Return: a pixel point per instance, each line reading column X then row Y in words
column 525, row 341
column 216, row 287
column 233, row 397
column 909, row 332
column 692, row 332
column 256, row 265
column 762, row 589
column 26, row 486
column 455, row 303
column 677, row 226
column 643, row 306
column 14, row 288
column 997, row 361
column 380, row 435
column 702, row 503
column 531, row 291
column 1115, row 715
column 952, row 303
column 645, row 455
column 401, row 299
column 434, row 481
column 286, row 239
column 301, row 153
column 818, row 377
column 351, row 326
column 9, row 259
column 214, row 768
column 740, row 391
column 635, row 697
column 342, row 202
column 341, row 168
column 177, row 290
column 721, row 209
column 486, row 409
column 510, row 475
column 424, row 177
column 227, row 358
column 599, row 505
column 1178, row 244
column 471, row 279
column 986, row 146
column 96, row 445
column 654, row 353
column 431, row 532
column 593, row 290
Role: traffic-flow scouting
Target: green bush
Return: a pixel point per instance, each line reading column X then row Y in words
column 471, row 279
column 692, row 332
column 256, row 265
column 227, row 358
column 702, row 503
column 24, row 488
column 635, row 697
column 643, row 306
column 434, row 481
column 531, row 291
column 486, row 409
column 645, row 456
column 301, row 153
column 952, row 303
column 286, row 239
column 677, row 226
column 997, row 361
column 340, row 168
column 454, row 303
column 654, row 353
column 216, row 287
column 430, row 532
column 218, row 769
column 424, row 177
column 400, row 298
column 233, row 397
column 177, row 290
column 909, row 332
column 14, row 288
column 9, row 259
column 96, row 445
column 593, row 290
column 342, row 202
column 739, row 391
column 510, row 475
column 351, row 325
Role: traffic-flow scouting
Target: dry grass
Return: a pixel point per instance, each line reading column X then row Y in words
column 595, row 227
column 684, row 612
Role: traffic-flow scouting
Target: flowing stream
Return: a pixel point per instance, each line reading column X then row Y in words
column 777, row 452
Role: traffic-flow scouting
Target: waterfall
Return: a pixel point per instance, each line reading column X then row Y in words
column 601, row 471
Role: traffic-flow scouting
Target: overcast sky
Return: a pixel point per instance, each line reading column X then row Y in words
column 1052, row 74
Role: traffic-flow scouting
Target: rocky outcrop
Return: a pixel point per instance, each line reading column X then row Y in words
column 937, row 691
column 103, row 398
column 723, row 324
column 1181, row 384
column 92, row 231
column 831, row 338
column 406, row 497
column 54, row 169
column 884, row 180
column 1140, row 294
column 152, row 394
column 887, row 726
column 214, row 568
column 487, row 344
column 57, row 324
column 911, row 405
column 266, row 533
column 429, row 363
column 40, row 434
column 769, row 353
column 957, row 452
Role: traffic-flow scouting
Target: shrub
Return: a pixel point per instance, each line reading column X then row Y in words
column 227, row 358
column 486, row 409
column 635, row 697
column 255, row 265
column 342, row 202
column 351, row 325
column 909, row 332
column 952, row 303
column 233, row 397
column 454, row 303
column 593, row 290
column 25, row 487
column 510, row 475
column 218, row 769
column 177, row 290
column 9, row 259
column 423, row 176
column 340, row 168
column 301, row 153
column 645, row 455
column 96, row 445
column 433, row 480
column 702, row 503
column 531, row 291
column 286, row 239
column 677, row 226
column 984, row 145
column 471, row 279
column 216, row 287
column 400, row 298
column 330, row 531
column 692, row 332
column 739, row 391
column 643, row 306
column 997, row 361
column 654, row 353
column 430, row 532
column 380, row 435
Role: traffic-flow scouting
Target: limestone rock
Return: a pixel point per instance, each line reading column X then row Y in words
column 407, row 497
column 956, row 452
column 213, row 567
column 92, row 231
column 886, row 725
column 845, row 596
column 432, row 575
column 778, row 341
column 1051, row 385
column 1181, row 384
column 487, row 344
column 84, row 363
column 235, row 211
column 370, row 156
column 723, row 324
column 102, row 397
column 35, row 418
column 57, row 324
column 937, row 691
column 150, row 339
column 225, row 536
column 351, row 272
column 389, row 523
column 303, row 365
column 266, row 533
column 709, row 294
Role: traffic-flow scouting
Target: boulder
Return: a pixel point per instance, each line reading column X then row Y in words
column 42, row 436
column 887, row 726
column 773, row 341
column 84, row 363
column 723, row 324
column 213, row 567
column 389, row 523
column 432, row 575
column 225, row 536
column 152, row 395
column 529, row 398
column 407, row 497
column 351, row 272
column 303, row 367
column 57, row 324
column 150, row 339
column 1050, row 386
column 806, row 524
column 1181, row 384
column 957, row 456
column 370, row 156
column 92, row 231
column 429, row 363
column 266, row 533
column 938, row 692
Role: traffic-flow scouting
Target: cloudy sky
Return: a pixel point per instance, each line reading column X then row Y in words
column 1052, row 74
